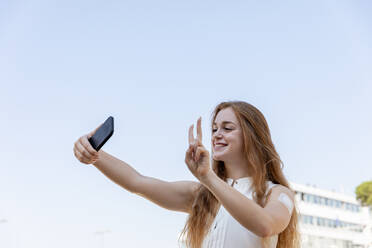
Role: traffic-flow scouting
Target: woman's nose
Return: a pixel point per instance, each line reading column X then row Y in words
column 217, row 133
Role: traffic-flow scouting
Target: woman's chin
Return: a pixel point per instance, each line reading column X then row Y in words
column 217, row 157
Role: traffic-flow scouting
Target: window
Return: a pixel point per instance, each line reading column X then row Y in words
column 311, row 219
column 335, row 223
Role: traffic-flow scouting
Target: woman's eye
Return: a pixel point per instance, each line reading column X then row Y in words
column 225, row 128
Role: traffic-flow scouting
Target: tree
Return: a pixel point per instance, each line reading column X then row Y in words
column 364, row 193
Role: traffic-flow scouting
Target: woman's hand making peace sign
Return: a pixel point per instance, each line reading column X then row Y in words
column 197, row 157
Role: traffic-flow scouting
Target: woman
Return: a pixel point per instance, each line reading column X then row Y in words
column 243, row 200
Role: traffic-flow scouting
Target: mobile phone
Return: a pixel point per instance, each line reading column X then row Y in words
column 102, row 134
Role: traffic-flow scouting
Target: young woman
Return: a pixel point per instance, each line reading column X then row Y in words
column 242, row 200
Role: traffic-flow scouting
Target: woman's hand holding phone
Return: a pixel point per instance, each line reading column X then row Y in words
column 84, row 151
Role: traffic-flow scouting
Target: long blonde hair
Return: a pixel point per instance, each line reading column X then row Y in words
column 265, row 164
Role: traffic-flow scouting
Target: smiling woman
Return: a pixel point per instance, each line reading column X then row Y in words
column 242, row 200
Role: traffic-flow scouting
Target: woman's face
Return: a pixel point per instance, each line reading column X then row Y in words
column 227, row 136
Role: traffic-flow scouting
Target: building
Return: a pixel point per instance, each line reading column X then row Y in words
column 331, row 219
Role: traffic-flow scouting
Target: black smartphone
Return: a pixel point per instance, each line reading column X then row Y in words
column 102, row 134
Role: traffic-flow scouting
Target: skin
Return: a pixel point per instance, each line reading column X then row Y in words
column 179, row 195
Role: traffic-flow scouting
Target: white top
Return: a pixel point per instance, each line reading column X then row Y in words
column 227, row 232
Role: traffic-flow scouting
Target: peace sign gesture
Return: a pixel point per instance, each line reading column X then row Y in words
column 197, row 157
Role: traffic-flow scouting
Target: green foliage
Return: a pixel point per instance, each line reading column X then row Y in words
column 364, row 193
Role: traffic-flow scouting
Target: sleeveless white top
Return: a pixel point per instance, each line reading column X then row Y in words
column 227, row 232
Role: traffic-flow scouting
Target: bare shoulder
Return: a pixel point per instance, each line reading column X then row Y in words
column 280, row 207
column 278, row 189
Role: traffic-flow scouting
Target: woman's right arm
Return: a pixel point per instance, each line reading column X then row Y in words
column 177, row 196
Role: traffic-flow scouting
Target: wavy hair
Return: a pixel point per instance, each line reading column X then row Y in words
column 265, row 164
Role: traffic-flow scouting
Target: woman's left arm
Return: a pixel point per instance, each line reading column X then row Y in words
column 264, row 222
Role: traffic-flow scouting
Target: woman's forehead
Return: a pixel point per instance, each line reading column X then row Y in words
column 226, row 115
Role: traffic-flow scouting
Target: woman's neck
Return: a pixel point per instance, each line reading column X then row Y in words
column 237, row 169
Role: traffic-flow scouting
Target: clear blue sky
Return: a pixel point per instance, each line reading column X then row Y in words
column 156, row 66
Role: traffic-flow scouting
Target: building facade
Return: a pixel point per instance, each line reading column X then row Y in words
column 332, row 220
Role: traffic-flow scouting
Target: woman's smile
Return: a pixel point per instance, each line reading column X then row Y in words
column 219, row 146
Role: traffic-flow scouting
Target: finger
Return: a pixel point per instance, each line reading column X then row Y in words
column 191, row 134
column 200, row 152
column 199, row 131
column 189, row 155
column 79, row 147
column 194, row 148
column 88, row 146
column 81, row 158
